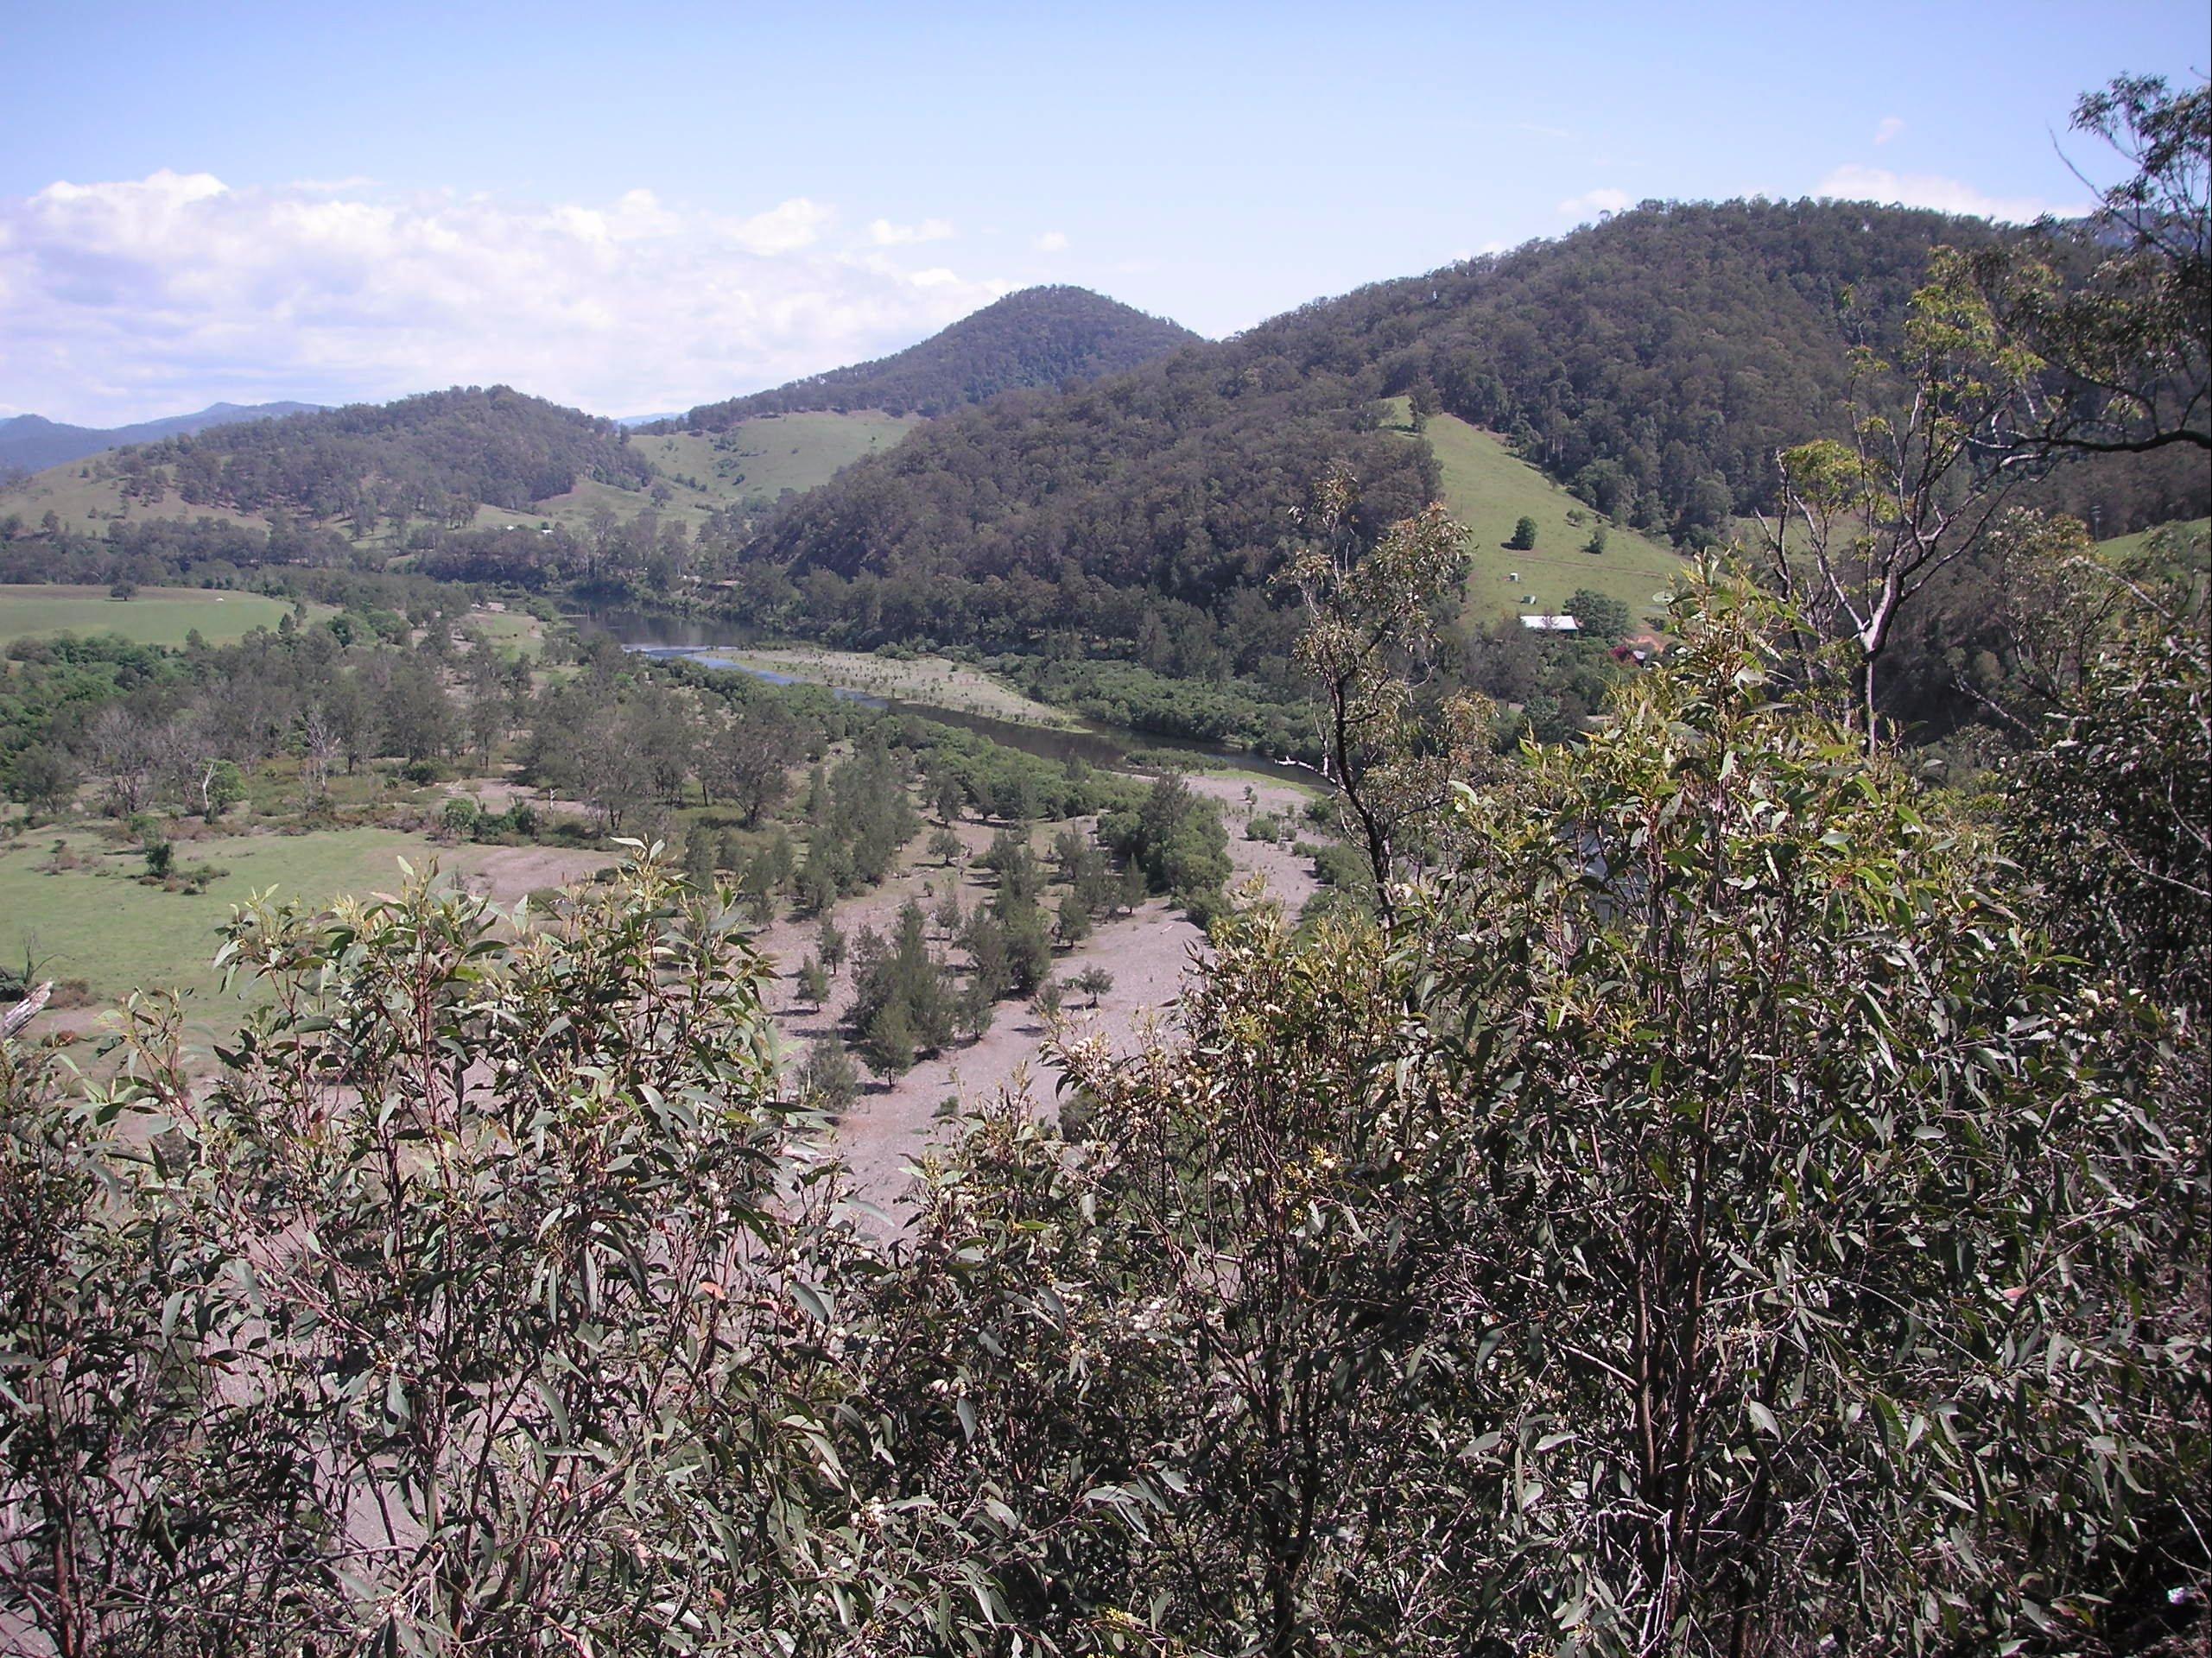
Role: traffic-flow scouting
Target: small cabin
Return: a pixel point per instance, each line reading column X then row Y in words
column 1551, row 624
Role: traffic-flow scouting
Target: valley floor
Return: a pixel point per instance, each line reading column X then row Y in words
column 1149, row 953
column 929, row 681
column 86, row 915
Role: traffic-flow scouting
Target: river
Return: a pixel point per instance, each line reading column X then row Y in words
column 704, row 639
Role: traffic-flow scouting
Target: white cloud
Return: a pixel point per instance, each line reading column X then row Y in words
column 795, row 224
column 1853, row 182
column 1052, row 242
column 1606, row 200
column 122, row 300
column 1891, row 125
column 884, row 234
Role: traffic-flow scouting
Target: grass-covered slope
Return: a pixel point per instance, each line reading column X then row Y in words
column 87, row 495
column 749, row 469
column 1490, row 490
column 764, row 457
column 2186, row 533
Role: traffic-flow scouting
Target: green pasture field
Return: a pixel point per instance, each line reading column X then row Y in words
column 512, row 633
column 759, row 458
column 1489, row 489
column 156, row 615
column 2129, row 547
column 99, row 923
column 774, row 453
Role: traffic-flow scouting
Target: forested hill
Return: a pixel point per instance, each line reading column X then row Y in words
column 1653, row 363
column 1039, row 336
column 30, row 442
column 1183, row 477
column 431, row 454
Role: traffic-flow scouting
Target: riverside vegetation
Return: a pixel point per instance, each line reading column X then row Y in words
column 1718, row 1183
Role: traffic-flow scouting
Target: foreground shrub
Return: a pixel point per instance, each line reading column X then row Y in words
column 1711, row 1220
column 476, row 1303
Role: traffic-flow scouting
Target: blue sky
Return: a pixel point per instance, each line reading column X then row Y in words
column 637, row 207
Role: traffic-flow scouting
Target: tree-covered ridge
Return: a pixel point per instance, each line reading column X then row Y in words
column 1038, row 336
column 420, row 455
column 1183, row 477
column 1652, row 361
column 1655, row 363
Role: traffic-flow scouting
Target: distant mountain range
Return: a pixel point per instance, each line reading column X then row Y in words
column 1040, row 336
column 29, row 443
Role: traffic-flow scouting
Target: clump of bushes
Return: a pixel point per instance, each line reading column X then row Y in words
column 1177, row 839
column 465, row 818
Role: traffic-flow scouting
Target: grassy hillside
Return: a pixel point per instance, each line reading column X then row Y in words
column 748, row 467
column 2128, row 546
column 85, row 495
column 772, row 453
column 1489, row 489
column 157, row 616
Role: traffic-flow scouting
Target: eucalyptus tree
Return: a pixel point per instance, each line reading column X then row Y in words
column 1371, row 640
column 1710, row 1219
column 1866, row 521
column 2125, row 353
column 475, row 1303
column 2080, row 340
column 1802, row 1271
